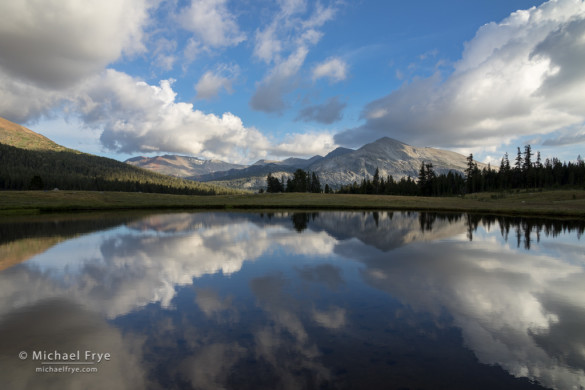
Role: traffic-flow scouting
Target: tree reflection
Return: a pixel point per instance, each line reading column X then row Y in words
column 301, row 220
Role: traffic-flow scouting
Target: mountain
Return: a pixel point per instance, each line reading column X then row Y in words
column 29, row 160
column 181, row 166
column 222, row 173
column 391, row 157
column 343, row 166
column 300, row 162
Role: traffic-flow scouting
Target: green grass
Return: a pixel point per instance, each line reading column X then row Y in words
column 568, row 203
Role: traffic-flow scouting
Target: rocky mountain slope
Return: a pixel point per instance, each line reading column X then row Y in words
column 181, row 166
column 340, row 167
column 391, row 157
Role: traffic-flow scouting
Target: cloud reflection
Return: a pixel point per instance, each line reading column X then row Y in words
column 522, row 310
column 499, row 297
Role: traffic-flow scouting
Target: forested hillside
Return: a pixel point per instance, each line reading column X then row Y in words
column 22, row 169
column 29, row 160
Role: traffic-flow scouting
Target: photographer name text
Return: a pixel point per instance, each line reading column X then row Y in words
column 75, row 356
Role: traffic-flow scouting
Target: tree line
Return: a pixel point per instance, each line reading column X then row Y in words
column 301, row 181
column 527, row 172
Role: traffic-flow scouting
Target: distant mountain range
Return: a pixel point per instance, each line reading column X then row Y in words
column 340, row 167
column 182, row 166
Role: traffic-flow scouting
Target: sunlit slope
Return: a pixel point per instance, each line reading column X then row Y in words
column 20, row 137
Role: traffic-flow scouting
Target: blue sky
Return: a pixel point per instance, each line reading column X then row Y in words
column 244, row 80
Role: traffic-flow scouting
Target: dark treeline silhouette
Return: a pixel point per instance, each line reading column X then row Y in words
column 22, row 169
column 528, row 172
column 428, row 184
column 300, row 182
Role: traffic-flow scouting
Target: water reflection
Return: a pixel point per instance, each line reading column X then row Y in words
column 320, row 300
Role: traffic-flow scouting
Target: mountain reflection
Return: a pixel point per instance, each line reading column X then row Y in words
column 306, row 300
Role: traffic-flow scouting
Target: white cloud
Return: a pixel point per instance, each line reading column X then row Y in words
column 288, row 33
column 61, row 42
column 212, row 23
column 163, row 53
column 138, row 117
column 521, row 76
column 334, row 69
column 211, row 83
column 268, row 46
column 305, row 144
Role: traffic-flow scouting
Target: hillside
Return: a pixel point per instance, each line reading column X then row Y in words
column 29, row 160
column 20, row 137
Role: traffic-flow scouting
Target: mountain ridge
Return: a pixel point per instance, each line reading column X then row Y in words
column 181, row 166
column 343, row 166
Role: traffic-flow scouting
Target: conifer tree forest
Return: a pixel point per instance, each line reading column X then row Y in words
column 300, row 182
column 527, row 173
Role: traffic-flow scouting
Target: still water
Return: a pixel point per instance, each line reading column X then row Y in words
column 328, row 300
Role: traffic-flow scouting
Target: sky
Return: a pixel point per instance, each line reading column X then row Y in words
column 253, row 79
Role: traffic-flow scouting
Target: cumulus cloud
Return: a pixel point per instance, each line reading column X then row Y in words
column 59, row 43
column 56, row 57
column 290, row 33
column 138, row 117
column 334, row 69
column 327, row 113
column 48, row 51
column 210, row 84
column 21, row 101
column 521, row 76
column 305, row 144
column 212, row 23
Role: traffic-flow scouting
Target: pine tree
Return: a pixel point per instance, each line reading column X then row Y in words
column 376, row 181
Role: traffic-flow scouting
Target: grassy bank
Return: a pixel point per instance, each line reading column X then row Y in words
column 551, row 203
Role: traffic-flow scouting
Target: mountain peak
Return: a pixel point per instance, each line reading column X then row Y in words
column 388, row 140
column 338, row 152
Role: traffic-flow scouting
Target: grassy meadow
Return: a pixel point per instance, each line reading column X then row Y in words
column 562, row 203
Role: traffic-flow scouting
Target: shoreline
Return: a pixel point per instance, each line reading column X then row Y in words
column 552, row 204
